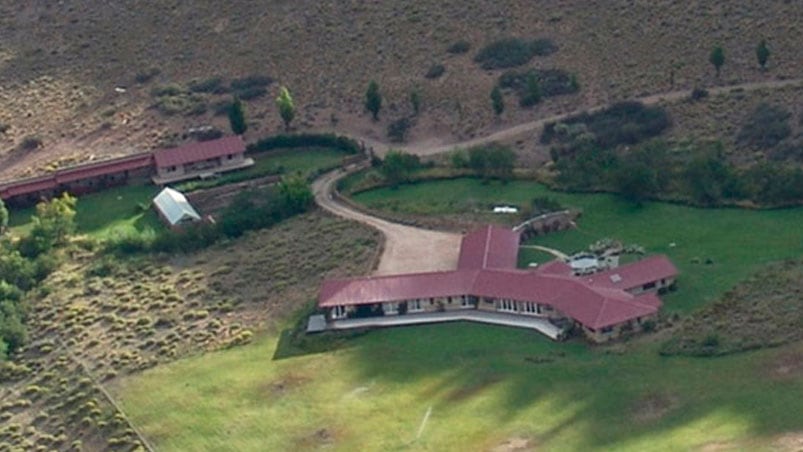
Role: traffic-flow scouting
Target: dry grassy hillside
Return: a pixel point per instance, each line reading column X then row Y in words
column 61, row 61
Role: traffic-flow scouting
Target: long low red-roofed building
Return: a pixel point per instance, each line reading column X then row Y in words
column 602, row 305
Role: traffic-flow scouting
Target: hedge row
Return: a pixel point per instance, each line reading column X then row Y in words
column 327, row 140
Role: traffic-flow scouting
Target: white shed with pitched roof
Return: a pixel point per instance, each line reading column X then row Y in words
column 174, row 208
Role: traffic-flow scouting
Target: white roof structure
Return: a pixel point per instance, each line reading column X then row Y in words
column 174, row 207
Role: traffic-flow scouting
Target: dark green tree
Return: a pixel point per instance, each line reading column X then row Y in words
column 53, row 223
column 497, row 100
column 237, row 117
column 415, row 101
column 397, row 167
column 532, row 91
column 501, row 161
column 296, row 193
column 373, row 99
column 3, row 217
column 762, row 54
column 717, row 58
column 287, row 108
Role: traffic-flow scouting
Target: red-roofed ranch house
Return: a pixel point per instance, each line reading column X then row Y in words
column 487, row 287
column 200, row 159
column 161, row 167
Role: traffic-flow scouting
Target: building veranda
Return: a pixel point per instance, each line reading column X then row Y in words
column 487, row 287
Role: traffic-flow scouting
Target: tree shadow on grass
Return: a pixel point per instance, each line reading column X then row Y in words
column 592, row 394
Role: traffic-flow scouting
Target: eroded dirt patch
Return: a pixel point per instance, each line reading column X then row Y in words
column 653, row 406
column 516, row 444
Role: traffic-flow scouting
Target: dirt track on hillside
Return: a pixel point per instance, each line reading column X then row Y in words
column 411, row 249
column 509, row 133
column 407, row 249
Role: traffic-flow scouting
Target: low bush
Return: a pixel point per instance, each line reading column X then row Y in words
column 146, row 75
column 459, row 47
column 213, row 85
column 252, row 81
column 397, row 130
column 622, row 123
column 698, row 93
column 765, row 127
column 435, row 71
column 342, row 143
column 553, row 82
column 512, row 52
column 30, row 143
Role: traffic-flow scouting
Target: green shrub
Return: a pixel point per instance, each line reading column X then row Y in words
column 305, row 140
column 459, row 47
column 552, row 82
column 212, row 85
column 512, row 52
column 765, row 127
column 252, row 81
column 622, row 123
column 146, row 75
column 435, row 71
column 397, row 130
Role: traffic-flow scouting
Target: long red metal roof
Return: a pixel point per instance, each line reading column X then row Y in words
column 199, row 151
column 74, row 173
column 489, row 247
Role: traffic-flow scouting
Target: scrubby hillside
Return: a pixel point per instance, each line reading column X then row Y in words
column 60, row 62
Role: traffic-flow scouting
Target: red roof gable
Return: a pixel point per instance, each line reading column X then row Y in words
column 199, row 151
column 636, row 274
column 489, row 247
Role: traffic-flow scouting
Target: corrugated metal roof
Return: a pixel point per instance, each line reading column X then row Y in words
column 199, row 151
column 489, row 247
column 174, row 207
column 636, row 274
column 75, row 173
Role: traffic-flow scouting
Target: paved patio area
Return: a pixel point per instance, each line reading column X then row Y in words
column 317, row 323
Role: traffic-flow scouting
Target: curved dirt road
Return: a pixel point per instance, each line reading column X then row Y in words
column 431, row 147
column 407, row 249
column 410, row 249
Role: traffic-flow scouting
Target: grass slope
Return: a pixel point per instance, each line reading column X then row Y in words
column 327, row 52
column 737, row 241
column 490, row 386
column 483, row 384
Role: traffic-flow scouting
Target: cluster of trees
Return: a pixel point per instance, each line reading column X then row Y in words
column 717, row 56
column 489, row 162
column 284, row 103
column 26, row 262
column 397, row 167
column 702, row 176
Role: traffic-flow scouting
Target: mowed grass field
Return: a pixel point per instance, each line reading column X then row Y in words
column 127, row 208
column 736, row 241
column 477, row 387
column 482, row 386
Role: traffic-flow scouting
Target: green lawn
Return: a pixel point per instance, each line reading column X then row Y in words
column 737, row 241
column 486, row 385
column 100, row 214
column 483, row 385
